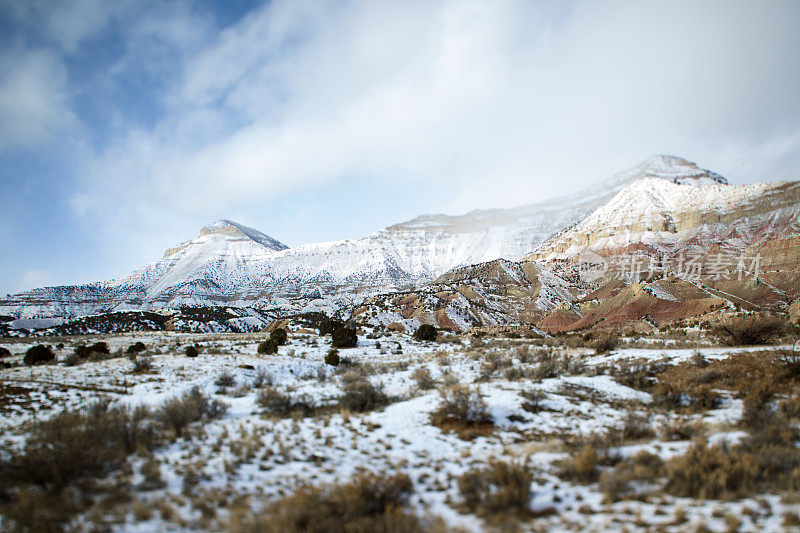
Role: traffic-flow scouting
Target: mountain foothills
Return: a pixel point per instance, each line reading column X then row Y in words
column 662, row 242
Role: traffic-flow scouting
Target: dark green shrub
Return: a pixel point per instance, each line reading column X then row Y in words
column 268, row 347
column 38, row 354
column 192, row 351
column 136, row 348
column 332, row 358
column 4, row 352
column 84, row 351
column 329, row 325
column 344, row 337
column 279, row 336
column 425, row 332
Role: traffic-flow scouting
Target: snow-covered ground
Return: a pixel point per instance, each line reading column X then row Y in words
column 248, row 452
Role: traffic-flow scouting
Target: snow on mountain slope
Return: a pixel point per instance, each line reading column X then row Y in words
column 232, row 265
column 661, row 214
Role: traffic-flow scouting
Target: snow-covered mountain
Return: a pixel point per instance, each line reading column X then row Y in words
column 232, row 265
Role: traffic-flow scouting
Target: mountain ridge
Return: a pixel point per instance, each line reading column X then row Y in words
column 229, row 264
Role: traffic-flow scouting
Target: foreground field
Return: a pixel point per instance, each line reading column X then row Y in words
column 400, row 436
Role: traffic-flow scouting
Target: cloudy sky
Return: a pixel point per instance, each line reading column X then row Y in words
column 126, row 125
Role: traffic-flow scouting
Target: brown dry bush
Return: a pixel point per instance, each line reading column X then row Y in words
column 361, row 396
column 55, row 474
column 422, row 376
column 624, row 481
column 369, row 502
column 749, row 329
column 462, row 409
column 605, row 342
column 276, row 402
column 583, row 466
column 176, row 414
column 768, row 460
column 499, row 487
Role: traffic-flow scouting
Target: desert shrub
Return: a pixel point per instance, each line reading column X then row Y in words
column 332, row 357
column 360, row 396
column 4, row 352
column 791, row 359
column 38, row 354
column 756, row 408
column 749, row 329
column 261, row 377
column 226, row 379
column 604, row 342
column 136, row 348
column 176, row 414
column 369, row 502
column 192, row 351
column 627, row 476
column 72, row 360
column 582, row 466
column 534, row 400
column 51, row 478
column 463, row 409
column 328, row 325
column 426, row 332
column 268, row 347
column 422, row 376
column 142, row 365
column 636, row 426
column 499, row 487
column 709, row 472
column 344, row 337
column 85, row 352
column 279, row 335
column 495, row 360
column 681, row 430
column 276, row 402
column 638, row 374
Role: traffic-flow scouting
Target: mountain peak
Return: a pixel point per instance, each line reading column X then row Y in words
column 678, row 170
column 234, row 229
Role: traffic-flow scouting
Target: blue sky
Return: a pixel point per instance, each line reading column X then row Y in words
column 126, row 125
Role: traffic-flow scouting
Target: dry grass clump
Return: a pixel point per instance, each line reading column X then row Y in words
column 142, row 364
column 638, row 373
column 361, row 396
column 628, row 478
column 551, row 364
column 768, row 460
column 749, row 330
column 55, row 474
column 499, row 487
column 583, row 465
column 278, row 403
column 695, row 386
column 176, row 414
column 462, row 409
column 369, row 502
column 534, row 400
column 604, row 342
column 422, row 376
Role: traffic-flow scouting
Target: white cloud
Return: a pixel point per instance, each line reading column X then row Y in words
column 501, row 102
column 33, row 98
column 35, row 278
